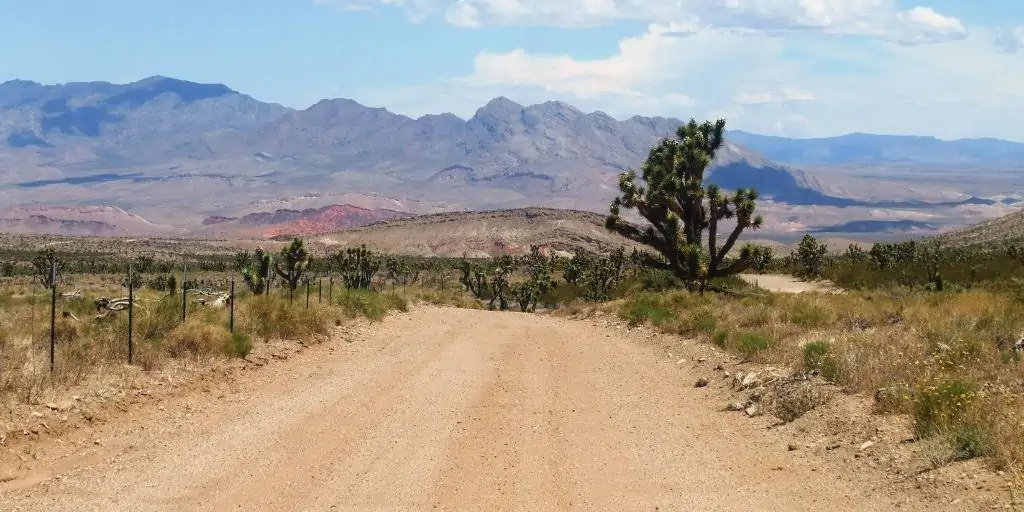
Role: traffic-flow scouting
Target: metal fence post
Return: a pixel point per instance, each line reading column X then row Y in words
column 131, row 306
column 308, row 284
column 184, row 292
column 320, row 290
column 330, row 290
column 53, row 313
column 231, row 315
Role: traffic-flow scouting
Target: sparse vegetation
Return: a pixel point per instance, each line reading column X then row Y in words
column 674, row 199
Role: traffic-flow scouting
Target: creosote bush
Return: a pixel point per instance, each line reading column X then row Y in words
column 196, row 338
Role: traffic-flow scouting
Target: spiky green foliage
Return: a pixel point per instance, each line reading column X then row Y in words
column 538, row 280
column 500, row 284
column 48, row 267
column 761, row 258
column 474, row 278
column 401, row 272
column 888, row 256
column 1016, row 253
column 603, row 275
column 933, row 258
column 357, row 267
column 256, row 273
column 242, row 260
column 292, row 263
column 856, row 254
column 810, row 257
column 680, row 207
column 132, row 278
column 577, row 266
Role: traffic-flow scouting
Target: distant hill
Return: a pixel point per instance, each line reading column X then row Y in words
column 479, row 234
column 997, row 232
column 868, row 149
column 287, row 222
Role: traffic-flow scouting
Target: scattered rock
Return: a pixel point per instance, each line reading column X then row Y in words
column 701, row 382
column 60, row 406
column 753, row 410
column 735, row 406
column 701, row 359
column 750, row 380
column 719, row 368
column 866, row 444
column 37, row 414
column 792, row 447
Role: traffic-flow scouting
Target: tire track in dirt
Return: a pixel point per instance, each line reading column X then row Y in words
column 458, row 409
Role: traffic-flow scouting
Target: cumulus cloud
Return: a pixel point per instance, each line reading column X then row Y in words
column 876, row 18
column 768, row 66
column 1011, row 40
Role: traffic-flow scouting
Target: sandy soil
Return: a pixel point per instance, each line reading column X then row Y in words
column 781, row 283
column 451, row 409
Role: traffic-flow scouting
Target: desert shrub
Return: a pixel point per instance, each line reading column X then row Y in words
column 720, row 337
column 196, row 338
column 704, row 321
column 751, row 343
column 647, row 308
column 369, row 304
column 241, row 344
column 941, row 405
column 814, row 354
column 809, row 314
column 757, row 316
column 831, row 368
column 158, row 319
column 66, row 330
column 271, row 316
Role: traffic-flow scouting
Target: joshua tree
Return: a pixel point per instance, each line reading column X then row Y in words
column 242, row 260
column 292, row 264
column 500, row 285
column 48, row 267
column 1016, row 253
column 357, row 266
column 256, row 274
column 680, row 207
column 761, row 258
column 473, row 278
column 810, row 257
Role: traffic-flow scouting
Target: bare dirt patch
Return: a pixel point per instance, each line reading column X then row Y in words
column 462, row 409
column 780, row 283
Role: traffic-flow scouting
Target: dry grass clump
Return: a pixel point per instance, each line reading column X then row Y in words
column 274, row 317
column 196, row 338
column 944, row 358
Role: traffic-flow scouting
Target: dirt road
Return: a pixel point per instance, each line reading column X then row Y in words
column 781, row 283
column 450, row 409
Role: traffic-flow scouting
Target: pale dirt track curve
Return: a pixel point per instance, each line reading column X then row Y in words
column 458, row 410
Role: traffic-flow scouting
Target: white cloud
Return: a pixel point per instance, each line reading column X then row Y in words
column 769, row 66
column 922, row 25
column 1011, row 40
column 876, row 18
column 758, row 82
column 640, row 61
column 786, row 94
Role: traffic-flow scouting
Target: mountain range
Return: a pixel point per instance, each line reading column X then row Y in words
column 192, row 158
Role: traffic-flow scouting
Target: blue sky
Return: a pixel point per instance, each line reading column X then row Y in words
column 948, row 68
